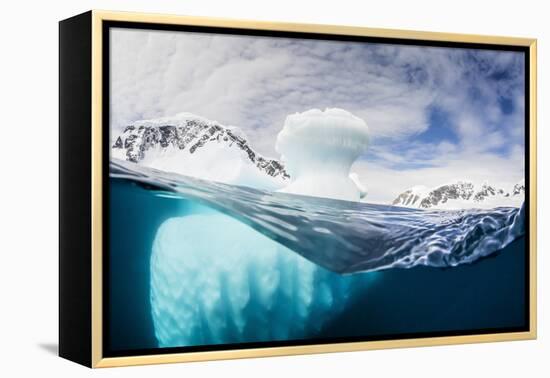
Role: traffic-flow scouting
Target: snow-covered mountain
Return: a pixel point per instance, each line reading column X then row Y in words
column 195, row 146
column 460, row 195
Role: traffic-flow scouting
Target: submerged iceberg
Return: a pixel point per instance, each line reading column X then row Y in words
column 217, row 280
column 318, row 149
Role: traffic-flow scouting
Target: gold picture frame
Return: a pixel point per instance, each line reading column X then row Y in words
column 93, row 23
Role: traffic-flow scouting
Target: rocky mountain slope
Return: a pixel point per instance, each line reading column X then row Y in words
column 192, row 145
column 461, row 194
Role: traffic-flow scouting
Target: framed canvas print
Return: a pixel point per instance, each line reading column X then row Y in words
column 235, row 189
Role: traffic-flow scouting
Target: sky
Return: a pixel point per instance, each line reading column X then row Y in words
column 435, row 115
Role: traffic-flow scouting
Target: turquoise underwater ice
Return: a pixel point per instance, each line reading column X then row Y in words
column 217, row 280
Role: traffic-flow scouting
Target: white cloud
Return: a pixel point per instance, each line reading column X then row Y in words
column 255, row 82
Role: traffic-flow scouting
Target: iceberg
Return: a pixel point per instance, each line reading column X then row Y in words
column 318, row 149
column 362, row 189
column 217, row 280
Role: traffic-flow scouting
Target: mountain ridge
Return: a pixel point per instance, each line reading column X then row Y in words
column 166, row 138
column 460, row 194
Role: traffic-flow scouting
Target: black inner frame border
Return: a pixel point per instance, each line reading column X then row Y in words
column 107, row 25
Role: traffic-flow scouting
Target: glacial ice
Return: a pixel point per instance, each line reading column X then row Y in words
column 362, row 189
column 318, row 149
column 217, row 280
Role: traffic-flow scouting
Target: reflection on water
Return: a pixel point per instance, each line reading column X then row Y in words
column 344, row 236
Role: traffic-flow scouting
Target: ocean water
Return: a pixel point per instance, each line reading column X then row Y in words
column 194, row 263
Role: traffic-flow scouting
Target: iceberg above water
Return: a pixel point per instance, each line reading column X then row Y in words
column 362, row 189
column 318, row 149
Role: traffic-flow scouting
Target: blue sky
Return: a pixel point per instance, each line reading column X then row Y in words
column 434, row 114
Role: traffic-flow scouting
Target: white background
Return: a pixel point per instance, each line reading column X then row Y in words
column 28, row 197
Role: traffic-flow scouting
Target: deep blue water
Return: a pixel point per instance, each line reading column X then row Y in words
column 197, row 263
